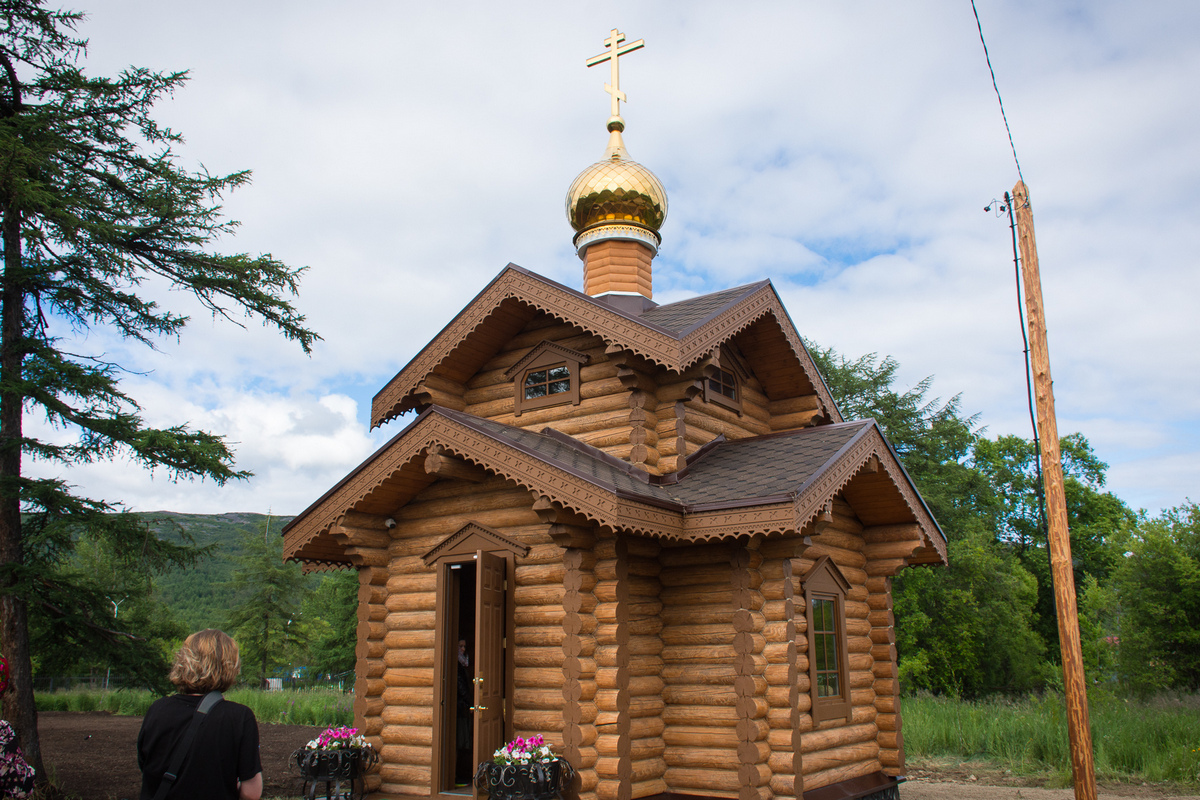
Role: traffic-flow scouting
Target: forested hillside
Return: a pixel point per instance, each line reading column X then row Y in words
column 199, row 595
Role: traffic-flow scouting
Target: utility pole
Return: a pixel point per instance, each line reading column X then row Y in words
column 1078, row 729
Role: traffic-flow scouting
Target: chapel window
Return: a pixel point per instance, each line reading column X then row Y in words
column 825, row 614
column 548, row 375
column 548, row 381
column 721, row 388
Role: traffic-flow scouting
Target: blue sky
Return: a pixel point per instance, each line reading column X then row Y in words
column 406, row 152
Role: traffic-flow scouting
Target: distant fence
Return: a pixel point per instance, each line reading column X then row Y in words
column 343, row 681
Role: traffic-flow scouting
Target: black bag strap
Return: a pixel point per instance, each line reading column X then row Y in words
column 185, row 744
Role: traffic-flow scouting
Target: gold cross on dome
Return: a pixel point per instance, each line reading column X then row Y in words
column 615, row 51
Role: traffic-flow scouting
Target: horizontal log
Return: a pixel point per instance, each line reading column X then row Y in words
column 701, row 757
column 833, row 738
column 697, row 716
column 408, row 601
column 530, row 575
column 692, row 654
column 538, row 655
column 411, row 735
column 828, row 777
column 405, row 754
column 545, row 636
column 542, row 616
column 720, row 633
column 701, row 736
column 405, row 715
column 703, row 781
column 407, row 676
column 539, row 699
column 835, row 758
column 699, row 696
column 402, row 779
column 707, row 674
column 423, row 581
column 537, row 720
column 409, row 640
column 792, row 405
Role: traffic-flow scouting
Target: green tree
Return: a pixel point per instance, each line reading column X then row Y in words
column 1158, row 584
column 75, row 636
column 331, row 616
column 267, row 594
column 1099, row 521
column 967, row 629
column 94, row 207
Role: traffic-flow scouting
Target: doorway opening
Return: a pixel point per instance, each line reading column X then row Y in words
column 460, row 641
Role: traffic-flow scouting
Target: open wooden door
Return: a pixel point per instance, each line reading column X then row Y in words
column 489, row 655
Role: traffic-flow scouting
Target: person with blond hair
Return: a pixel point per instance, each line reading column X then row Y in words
column 220, row 751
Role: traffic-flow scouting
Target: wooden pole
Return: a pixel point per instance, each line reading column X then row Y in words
column 1061, row 569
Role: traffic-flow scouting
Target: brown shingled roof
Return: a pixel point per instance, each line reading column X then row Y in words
column 768, row 484
column 704, row 323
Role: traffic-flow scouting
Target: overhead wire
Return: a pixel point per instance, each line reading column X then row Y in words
column 999, row 99
column 1012, row 224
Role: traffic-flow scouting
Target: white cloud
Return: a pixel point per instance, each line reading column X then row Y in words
column 405, row 153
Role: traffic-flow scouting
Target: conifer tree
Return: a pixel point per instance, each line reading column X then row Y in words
column 94, row 211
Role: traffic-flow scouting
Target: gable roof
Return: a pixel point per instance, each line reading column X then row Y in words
column 773, row 484
column 674, row 336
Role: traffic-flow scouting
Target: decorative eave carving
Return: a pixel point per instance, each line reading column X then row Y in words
column 568, row 498
column 652, row 342
column 564, row 353
column 867, row 452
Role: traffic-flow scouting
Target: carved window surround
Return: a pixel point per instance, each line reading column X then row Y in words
column 544, row 370
column 825, row 610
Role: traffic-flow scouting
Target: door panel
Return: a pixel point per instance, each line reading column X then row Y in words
column 489, row 655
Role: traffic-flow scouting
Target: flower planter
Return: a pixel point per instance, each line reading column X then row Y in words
column 541, row 781
column 340, row 770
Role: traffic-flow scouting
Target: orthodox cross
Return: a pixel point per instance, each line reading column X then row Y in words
column 615, row 51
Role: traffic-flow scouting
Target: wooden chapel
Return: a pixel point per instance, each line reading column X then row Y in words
column 643, row 531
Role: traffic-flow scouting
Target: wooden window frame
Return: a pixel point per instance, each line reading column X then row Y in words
column 725, row 361
column 712, row 395
column 826, row 582
column 546, row 356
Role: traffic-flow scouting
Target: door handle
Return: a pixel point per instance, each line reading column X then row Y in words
column 479, row 708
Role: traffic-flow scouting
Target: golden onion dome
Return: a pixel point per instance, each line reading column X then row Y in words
column 616, row 191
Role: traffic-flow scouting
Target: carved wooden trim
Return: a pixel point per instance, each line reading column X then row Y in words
column 593, row 503
column 561, row 352
column 478, row 537
column 652, row 342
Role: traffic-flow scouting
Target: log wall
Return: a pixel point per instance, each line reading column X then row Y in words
column 780, row 672
column 613, row 762
column 700, row 667
column 579, row 669
column 838, row 749
column 607, row 413
column 394, row 695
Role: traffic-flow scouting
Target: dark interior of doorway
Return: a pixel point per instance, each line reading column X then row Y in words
column 462, row 656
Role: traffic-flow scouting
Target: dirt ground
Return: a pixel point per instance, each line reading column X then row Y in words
column 92, row 756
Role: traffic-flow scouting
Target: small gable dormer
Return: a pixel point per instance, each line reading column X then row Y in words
column 549, row 375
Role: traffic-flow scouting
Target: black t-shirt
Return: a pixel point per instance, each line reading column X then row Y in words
column 224, row 751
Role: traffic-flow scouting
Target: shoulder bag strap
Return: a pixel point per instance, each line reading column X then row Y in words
column 185, row 744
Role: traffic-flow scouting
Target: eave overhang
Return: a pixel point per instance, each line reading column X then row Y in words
column 586, row 482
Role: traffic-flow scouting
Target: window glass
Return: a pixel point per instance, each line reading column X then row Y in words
column 724, row 384
column 825, row 641
column 544, row 382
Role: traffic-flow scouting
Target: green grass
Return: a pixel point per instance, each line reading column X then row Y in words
column 1156, row 740
column 325, row 707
